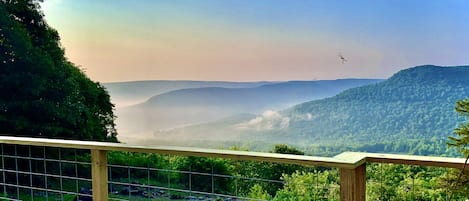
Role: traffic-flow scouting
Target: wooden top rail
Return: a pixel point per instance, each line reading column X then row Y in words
column 184, row 151
column 347, row 160
column 403, row 159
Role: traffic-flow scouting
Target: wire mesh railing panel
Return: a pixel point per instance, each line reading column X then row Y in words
column 52, row 173
column 409, row 182
column 138, row 176
column 44, row 173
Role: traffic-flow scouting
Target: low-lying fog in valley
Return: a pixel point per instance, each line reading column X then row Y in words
column 151, row 111
column 411, row 109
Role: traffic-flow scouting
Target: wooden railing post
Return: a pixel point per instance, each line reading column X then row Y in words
column 99, row 175
column 353, row 184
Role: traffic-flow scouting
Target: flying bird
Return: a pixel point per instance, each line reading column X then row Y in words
column 342, row 58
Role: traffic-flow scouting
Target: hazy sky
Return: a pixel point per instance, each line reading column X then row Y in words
column 246, row 40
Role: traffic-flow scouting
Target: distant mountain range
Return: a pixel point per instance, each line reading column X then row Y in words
column 194, row 105
column 414, row 105
column 134, row 92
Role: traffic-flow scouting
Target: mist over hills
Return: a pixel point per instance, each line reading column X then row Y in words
column 414, row 107
column 134, row 92
column 254, row 99
column 182, row 107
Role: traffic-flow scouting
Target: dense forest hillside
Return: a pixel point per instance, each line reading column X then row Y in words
column 411, row 112
column 414, row 104
column 417, row 102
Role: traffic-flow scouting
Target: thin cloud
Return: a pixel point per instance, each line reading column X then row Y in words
column 269, row 120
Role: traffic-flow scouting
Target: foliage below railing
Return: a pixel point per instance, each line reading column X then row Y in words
column 59, row 169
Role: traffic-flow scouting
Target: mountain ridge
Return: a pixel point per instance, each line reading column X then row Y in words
column 414, row 105
column 133, row 92
column 411, row 101
column 291, row 87
column 199, row 105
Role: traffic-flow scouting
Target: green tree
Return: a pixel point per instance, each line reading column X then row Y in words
column 460, row 178
column 305, row 186
column 44, row 94
column 461, row 140
column 257, row 192
column 266, row 170
column 403, row 182
column 285, row 149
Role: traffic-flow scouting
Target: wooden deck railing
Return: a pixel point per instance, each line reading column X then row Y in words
column 352, row 165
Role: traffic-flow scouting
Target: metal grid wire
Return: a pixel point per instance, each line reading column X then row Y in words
column 131, row 190
column 149, row 183
column 44, row 173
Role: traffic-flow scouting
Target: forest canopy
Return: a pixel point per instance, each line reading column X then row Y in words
column 44, row 94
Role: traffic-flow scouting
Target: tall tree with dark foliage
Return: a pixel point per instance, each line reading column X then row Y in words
column 42, row 93
column 460, row 178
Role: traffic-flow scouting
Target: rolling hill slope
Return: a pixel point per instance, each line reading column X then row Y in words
column 414, row 108
column 199, row 105
column 134, row 92
column 415, row 103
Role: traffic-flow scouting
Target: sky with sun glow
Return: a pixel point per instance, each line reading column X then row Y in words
column 252, row 40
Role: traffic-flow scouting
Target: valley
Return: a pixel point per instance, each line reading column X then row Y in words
column 407, row 113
